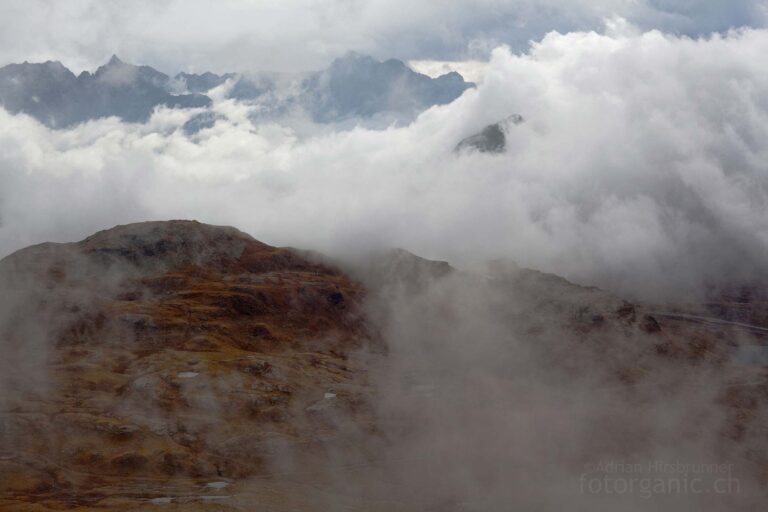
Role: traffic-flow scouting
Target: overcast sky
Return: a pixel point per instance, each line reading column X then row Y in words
column 226, row 35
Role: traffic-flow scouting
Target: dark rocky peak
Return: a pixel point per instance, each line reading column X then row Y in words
column 492, row 138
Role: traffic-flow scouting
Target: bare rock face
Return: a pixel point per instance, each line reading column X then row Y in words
column 169, row 355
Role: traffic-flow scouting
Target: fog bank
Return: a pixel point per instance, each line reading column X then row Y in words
column 640, row 168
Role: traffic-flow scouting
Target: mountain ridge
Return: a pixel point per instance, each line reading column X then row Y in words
column 175, row 362
column 353, row 86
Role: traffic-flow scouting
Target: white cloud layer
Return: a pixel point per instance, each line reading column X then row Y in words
column 641, row 167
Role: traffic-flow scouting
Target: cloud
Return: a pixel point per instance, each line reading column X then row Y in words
column 640, row 168
column 488, row 399
column 295, row 35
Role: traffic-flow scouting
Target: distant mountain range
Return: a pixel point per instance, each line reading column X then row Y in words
column 353, row 87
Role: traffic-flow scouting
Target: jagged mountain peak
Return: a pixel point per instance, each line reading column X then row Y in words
column 114, row 60
column 113, row 63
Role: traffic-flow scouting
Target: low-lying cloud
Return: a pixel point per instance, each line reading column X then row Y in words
column 640, row 168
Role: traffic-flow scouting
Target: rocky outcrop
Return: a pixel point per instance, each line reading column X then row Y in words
column 492, row 138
